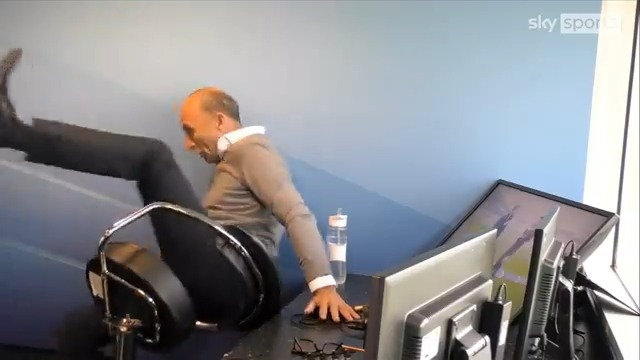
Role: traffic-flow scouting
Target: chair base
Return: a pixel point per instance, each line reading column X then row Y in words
column 140, row 271
column 125, row 330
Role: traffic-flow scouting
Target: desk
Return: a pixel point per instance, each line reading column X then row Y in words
column 274, row 339
column 625, row 328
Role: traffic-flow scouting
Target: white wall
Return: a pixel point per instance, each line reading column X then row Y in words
column 604, row 157
column 628, row 264
column 608, row 112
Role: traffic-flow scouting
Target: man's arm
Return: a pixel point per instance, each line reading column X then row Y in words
column 267, row 176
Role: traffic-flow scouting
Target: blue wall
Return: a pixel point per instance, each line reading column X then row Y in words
column 400, row 113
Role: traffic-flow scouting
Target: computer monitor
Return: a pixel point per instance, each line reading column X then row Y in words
column 398, row 292
column 543, row 269
column 455, row 314
column 515, row 210
column 546, row 290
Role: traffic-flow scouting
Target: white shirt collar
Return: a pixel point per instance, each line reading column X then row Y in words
column 234, row 136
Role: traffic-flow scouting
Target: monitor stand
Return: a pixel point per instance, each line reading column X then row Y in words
column 467, row 343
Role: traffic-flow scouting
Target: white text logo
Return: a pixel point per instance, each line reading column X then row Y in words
column 579, row 23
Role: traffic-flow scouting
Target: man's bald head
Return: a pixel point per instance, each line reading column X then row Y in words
column 207, row 115
column 213, row 100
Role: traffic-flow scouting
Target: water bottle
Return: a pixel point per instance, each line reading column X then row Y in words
column 337, row 246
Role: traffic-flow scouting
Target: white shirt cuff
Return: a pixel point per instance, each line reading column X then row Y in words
column 321, row 282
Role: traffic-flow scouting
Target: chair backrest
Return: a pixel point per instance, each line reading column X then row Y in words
column 135, row 268
column 266, row 304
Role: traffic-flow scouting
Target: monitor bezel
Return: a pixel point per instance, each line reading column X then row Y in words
column 585, row 250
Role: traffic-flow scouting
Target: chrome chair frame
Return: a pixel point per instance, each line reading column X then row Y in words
column 122, row 223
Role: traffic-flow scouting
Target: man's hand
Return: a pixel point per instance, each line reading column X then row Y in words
column 330, row 302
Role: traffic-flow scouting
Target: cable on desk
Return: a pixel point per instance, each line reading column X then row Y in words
column 573, row 247
column 250, row 357
column 309, row 321
column 578, row 349
column 579, row 334
column 555, row 318
column 358, row 326
column 355, row 331
column 502, row 292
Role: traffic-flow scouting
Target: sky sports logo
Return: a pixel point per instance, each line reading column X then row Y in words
column 575, row 24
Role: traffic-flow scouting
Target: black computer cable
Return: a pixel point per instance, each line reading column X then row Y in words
column 564, row 318
column 569, row 271
column 314, row 319
column 584, row 340
column 578, row 350
column 352, row 328
column 355, row 329
column 570, row 263
column 494, row 321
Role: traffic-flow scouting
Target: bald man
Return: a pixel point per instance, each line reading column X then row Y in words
column 252, row 189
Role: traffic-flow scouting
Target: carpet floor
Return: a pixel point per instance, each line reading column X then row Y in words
column 21, row 353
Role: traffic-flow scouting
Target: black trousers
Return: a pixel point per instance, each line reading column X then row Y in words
column 185, row 244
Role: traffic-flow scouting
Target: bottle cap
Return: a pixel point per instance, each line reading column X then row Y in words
column 338, row 220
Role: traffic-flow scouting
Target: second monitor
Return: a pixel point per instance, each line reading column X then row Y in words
column 515, row 211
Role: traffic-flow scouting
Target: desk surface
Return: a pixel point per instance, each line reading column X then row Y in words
column 274, row 339
column 625, row 328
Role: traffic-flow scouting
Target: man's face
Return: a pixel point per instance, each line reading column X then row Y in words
column 202, row 131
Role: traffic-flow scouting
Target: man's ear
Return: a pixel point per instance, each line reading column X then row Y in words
column 219, row 121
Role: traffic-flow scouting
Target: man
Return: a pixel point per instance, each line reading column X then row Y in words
column 252, row 189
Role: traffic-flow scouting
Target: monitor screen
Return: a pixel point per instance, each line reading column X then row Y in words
column 515, row 211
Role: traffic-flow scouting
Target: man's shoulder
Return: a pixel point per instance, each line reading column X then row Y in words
column 252, row 141
column 252, row 147
column 253, row 144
